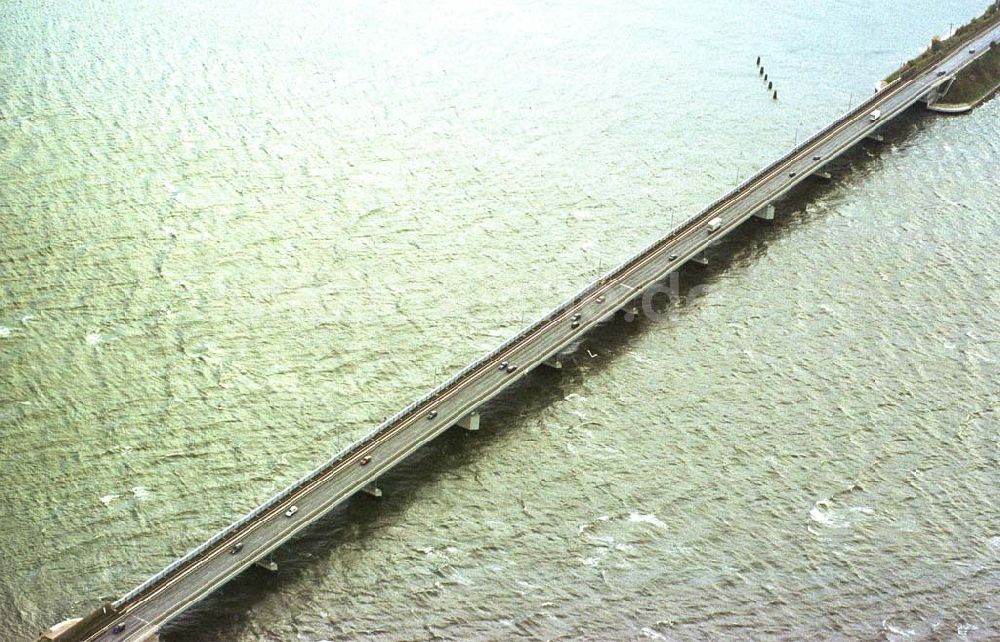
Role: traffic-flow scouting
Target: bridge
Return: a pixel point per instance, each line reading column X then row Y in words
column 139, row 615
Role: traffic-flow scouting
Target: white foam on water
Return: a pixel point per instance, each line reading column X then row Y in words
column 529, row 585
column 140, row 493
column 107, row 499
column 639, row 518
column 964, row 630
column 4, row 332
column 93, row 338
column 821, row 513
column 461, row 580
column 896, row 630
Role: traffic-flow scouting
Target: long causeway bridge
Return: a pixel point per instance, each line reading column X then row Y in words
column 139, row 615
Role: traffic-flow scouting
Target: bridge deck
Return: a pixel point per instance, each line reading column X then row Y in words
column 212, row 564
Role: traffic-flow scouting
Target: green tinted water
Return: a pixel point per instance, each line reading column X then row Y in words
column 234, row 237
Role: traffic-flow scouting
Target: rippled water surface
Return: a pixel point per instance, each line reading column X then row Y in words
column 234, row 236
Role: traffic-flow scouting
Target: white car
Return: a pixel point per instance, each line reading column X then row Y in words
column 291, row 511
column 713, row 225
column 875, row 115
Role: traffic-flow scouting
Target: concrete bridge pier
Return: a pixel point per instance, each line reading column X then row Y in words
column 878, row 138
column 372, row 489
column 938, row 92
column 767, row 213
column 470, row 421
column 822, row 173
column 701, row 259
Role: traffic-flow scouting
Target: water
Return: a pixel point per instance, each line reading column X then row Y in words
column 236, row 236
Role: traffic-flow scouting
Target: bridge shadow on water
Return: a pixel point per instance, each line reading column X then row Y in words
column 222, row 616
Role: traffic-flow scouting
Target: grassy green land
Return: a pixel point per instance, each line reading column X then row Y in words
column 978, row 80
column 939, row 46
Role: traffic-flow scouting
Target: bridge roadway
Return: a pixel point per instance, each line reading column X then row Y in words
column 206, row 568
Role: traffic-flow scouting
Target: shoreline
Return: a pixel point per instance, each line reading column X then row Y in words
column 940, row 45
column 973, row 86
